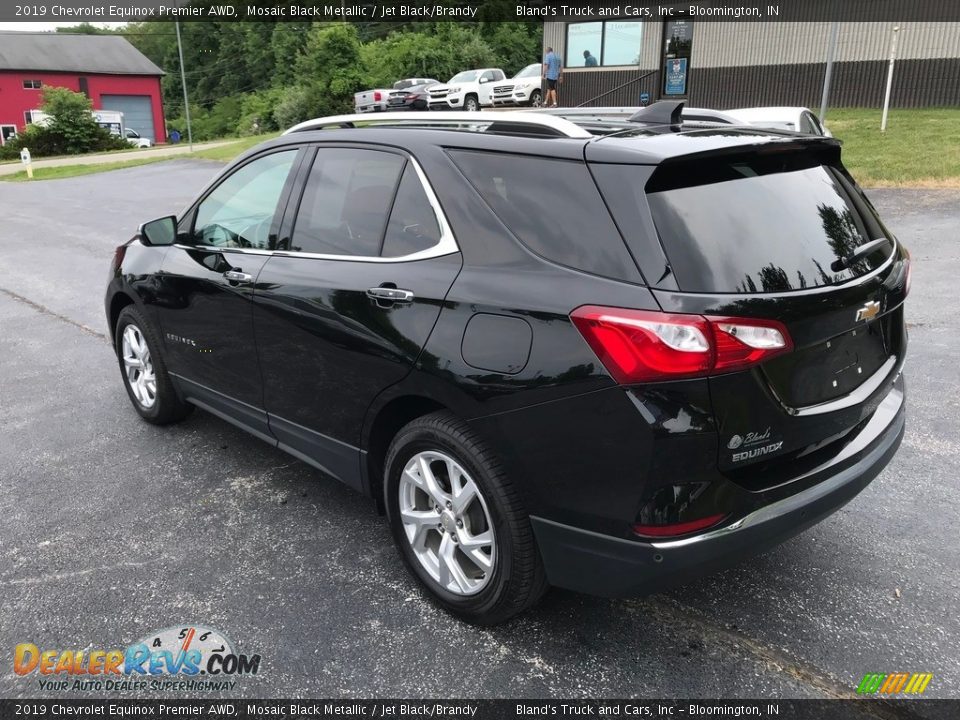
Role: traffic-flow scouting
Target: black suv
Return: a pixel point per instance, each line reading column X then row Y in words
column 606, row 357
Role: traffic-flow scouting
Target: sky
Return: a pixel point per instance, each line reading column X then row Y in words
column 44, row 26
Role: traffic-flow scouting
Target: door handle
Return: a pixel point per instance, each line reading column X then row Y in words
column 390, row 294
column 237, row 276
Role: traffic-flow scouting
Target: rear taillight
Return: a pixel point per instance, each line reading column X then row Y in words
column 677, row 529
column 676, row 510
column 377, row 96
column 645, row 345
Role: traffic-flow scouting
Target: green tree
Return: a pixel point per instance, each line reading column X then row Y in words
column 71, row 124
column 330, row 66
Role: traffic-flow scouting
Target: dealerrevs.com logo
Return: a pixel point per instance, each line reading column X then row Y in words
column 191, row 658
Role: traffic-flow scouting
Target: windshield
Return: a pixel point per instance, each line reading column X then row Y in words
column 529, row 71
column 466, row 76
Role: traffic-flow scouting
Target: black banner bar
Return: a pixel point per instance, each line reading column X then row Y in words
column 238, row 709
column 98, row 11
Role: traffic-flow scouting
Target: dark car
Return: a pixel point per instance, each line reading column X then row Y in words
column 606, row 359
column 411, row 97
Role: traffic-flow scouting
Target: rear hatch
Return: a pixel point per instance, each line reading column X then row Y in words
column 775, row 233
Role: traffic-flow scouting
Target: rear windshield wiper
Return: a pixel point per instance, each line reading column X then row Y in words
column 858, row 254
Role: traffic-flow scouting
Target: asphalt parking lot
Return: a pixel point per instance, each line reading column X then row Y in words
column 112, row 528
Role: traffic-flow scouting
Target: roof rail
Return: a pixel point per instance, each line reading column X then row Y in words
column 509, row 122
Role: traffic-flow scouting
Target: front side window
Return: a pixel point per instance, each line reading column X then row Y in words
column 346, row 201
column 240, row 211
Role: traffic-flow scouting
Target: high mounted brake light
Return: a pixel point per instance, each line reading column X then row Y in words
column 647, row 346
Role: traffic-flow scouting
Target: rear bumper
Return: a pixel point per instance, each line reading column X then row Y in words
column 599, row 564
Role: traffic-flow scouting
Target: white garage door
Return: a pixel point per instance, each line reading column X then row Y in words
column 137, row 111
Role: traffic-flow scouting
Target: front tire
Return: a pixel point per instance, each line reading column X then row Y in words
column 144, row 371
column 459, row 522
column 471, row 104
column 536, row 99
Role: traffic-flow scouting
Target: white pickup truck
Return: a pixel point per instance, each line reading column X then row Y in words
column 467, row 90
column 376, row 100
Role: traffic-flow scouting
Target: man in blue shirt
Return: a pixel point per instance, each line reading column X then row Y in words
column 553, row 73
column 588, row 59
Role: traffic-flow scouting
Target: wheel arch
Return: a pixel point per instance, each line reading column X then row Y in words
column 380, row 429
column 118, row 302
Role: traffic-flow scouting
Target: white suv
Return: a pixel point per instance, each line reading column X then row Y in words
column 522, row 89
column 467, row 90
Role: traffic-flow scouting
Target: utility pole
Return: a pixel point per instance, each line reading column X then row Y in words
column 183, row 80
column 893, row 59
column 828, row 74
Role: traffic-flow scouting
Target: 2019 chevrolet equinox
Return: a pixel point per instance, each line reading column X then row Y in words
column 605, row 356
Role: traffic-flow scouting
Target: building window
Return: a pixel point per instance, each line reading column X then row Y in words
column 604, row 43
column 32, row 84
column 27, row 117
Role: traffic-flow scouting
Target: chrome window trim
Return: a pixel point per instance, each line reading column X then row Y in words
column 447, row 244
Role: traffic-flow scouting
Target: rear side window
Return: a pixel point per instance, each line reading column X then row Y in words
column 553, row 207
column 760, row 224
column 346, row 201
column 413, row 225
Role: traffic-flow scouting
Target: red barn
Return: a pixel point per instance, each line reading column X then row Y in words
column 106, row 68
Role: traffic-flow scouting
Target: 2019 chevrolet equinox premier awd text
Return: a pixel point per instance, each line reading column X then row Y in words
column 607, row 358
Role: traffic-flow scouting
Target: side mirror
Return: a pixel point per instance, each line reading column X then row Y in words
column 162, row 231
column 484, row 80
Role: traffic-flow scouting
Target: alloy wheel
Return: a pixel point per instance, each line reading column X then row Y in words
column 138, row 367
column 447, row 523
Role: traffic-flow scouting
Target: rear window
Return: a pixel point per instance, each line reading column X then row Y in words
column 769, row 223
column 553, row 207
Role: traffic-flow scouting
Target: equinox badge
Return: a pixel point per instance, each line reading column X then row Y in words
column 868, row 311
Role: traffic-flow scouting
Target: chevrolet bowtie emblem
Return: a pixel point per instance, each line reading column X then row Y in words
column 868, row 311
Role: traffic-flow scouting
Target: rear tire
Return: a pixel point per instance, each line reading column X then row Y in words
column 459, row 522
column 144, row 371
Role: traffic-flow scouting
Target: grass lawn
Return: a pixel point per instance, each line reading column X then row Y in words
column 921, row 147
column 226, row 153
column 66, row 171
